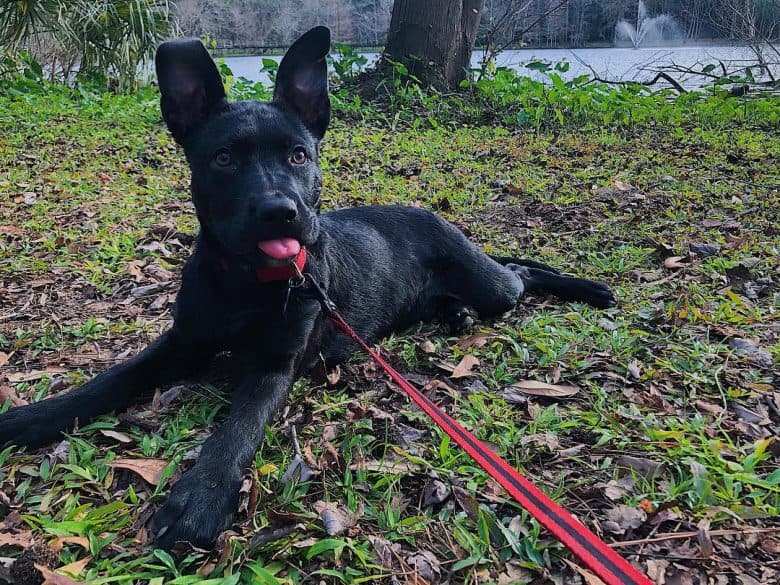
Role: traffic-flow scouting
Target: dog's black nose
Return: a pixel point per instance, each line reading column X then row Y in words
column 278, row 210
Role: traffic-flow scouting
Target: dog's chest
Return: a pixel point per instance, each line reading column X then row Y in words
column 270, row 322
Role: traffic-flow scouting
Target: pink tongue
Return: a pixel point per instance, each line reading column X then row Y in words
column 280, row 249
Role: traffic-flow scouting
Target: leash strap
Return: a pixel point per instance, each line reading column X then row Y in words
column 589, row 548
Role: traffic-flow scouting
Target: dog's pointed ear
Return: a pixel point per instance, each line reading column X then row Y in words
column 302, row 80
column 190, row 85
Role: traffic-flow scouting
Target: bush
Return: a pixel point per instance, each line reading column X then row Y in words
column 111, row 38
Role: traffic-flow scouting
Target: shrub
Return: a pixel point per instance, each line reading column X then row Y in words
column 113, row 38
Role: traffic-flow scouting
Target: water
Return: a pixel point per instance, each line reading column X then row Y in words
column 648, row 30
column 616, row 64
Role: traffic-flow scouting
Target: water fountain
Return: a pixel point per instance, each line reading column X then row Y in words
column 648, row 30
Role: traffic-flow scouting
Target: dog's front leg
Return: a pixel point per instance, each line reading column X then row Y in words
column 167, row 359
column 204, row 501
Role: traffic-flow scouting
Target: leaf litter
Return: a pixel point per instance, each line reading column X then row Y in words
column 636, row 377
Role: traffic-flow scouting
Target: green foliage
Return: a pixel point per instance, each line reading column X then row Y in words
column 346, row 61
column 110, row 38
column 658, row 379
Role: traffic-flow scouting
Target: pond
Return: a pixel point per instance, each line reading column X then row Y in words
column 609, row 63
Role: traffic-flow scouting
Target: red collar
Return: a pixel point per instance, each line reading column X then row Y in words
column 286, row 272
column 274, row 273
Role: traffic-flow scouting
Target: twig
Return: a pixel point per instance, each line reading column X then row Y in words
column 684, row 535
column 659, row 75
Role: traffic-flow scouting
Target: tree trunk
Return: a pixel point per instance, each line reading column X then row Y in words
column 434, row 39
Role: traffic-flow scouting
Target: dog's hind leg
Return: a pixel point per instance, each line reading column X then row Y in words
column 165, row 360
column 504, row 260
column 493, row 285
column 567, row 288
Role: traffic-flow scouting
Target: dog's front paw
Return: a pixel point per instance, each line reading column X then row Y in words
column 28, row 426
column 201, row 505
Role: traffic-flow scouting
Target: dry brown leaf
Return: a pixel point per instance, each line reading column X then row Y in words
column 82, row 541
column 464, row 367
column 400, row 466
column 623, row 518
column 121, row 437
column 477, row 340
column 75, row 568
column 588, row 577
column 149, row 469
column 673, row 262
column 52, row 578
column 335, row 517
column 15, row 377
column 7, row 392
column 3, row 358
column 23, row 539
column 427, row 347
column 433, row 385
column 386, row 552
column 544, row 389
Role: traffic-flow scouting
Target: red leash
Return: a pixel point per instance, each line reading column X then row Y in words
column 589, row 548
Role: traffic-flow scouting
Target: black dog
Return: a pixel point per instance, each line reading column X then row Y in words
column 256, row 188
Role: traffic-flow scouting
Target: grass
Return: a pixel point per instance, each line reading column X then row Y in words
column 671, row 430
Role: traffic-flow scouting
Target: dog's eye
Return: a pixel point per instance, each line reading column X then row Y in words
column 298, row 156
column 222, row 157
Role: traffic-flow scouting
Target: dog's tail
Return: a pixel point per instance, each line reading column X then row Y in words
column 504, row 260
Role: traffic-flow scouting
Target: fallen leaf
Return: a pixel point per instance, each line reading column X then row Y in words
column 537, row 388
column 427, row 347
column 169, row 396
column 15, row 377
column 426, row 565
column 623, row 518
column 6, row 393
column 22, row 539
column 617, row 488
column 3, row 358
column 400, row 466
column 464, row 367
column 705, row 540
column 82, row 541
column 674, row 262
column 335, row 517
column 435, row 492
column 52, row 578
column 705, row 250
column 751, row 350
column 546, row 440
column 121, row 437
column 134, row 269
column 647, row 468
column 386, row 551
column 272, row 533
column 634, row 370
column 297, row 471
column 588, row 577
column 477, row 340
column 149, row 469
column 75, row 568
